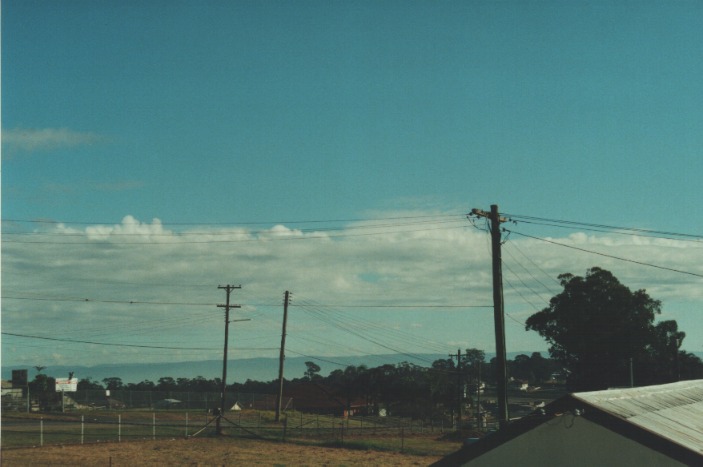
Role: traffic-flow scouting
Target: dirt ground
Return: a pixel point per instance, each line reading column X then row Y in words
column 204, row 452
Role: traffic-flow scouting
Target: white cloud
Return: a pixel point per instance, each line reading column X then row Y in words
column 45, row 139
column 130, row 229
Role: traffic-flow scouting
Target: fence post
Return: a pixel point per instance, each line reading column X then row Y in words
column 119, row 428
column 41, row 431
column 186, row 424
column 153, row 425
column 82, row 428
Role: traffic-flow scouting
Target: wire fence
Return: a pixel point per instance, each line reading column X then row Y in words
column 26, row 430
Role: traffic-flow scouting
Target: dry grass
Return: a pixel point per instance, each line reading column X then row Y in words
column 205, row 452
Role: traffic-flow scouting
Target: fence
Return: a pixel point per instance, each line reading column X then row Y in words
column 103, row 426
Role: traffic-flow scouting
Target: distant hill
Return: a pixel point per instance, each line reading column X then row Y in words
column 239, row 370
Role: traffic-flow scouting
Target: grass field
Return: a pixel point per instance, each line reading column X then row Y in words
column 206, row 452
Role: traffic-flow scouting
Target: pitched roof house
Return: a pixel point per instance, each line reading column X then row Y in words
column 646, row 426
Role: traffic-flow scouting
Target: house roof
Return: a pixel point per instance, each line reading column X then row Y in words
column 672, row 411
column 667, row 418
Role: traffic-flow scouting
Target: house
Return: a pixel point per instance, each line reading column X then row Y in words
column 647, row 426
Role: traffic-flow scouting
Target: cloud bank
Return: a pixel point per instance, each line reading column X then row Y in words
column 408, row 286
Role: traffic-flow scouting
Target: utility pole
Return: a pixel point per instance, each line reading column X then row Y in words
column 479, row 422
column 279, row 401
column 226, row 306
column 458, row 386
column 498, row 311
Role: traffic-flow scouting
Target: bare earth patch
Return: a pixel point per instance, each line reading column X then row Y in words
column 205, row 452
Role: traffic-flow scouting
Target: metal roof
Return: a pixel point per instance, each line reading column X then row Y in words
column 672, row 411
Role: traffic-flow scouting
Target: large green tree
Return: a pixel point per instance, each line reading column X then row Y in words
column 597, row 327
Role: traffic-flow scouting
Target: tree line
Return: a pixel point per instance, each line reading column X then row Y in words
column 403, row 389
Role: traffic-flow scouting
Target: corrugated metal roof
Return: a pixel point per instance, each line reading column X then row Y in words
column 673, row 411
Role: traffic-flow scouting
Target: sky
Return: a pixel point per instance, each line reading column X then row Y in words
column 153, row 151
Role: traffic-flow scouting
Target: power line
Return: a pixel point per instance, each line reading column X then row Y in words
column 75, row 341
column 609, row 256
column 528, row 273
column 312, row 221
column 537, row 266
column 248, row 240
column 349, row 329
column 105, row 343
column 139, row 302
column 92, row 300
column 609, row 228
column 168, row 233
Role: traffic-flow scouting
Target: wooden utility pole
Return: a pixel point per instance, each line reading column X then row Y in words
column 279, row 401
column 459, row 395
column 226, row 306
column 478, row 396
column 498, row 311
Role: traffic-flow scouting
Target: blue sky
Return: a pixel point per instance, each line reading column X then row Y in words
column 244, row 119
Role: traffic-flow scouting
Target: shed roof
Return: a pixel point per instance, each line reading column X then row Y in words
column 667, row 418
column 672, row 411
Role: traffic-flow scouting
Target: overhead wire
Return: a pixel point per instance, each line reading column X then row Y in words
column 268, row 222
column 248, row 240
column 371, row 326
column 528, row 272
column 350, row 328
column 641, row 263
column 252, row 236
column 144, row 302
column 536, row 266
column 603, row 227
column 224, row 233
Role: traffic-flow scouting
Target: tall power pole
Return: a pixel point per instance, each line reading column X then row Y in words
column 498, row 311
column 459, row 395
column 226, row 306
column 279, row 401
